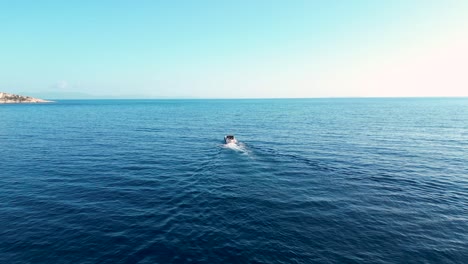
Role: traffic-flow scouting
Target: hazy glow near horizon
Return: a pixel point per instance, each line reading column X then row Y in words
column 240, row 49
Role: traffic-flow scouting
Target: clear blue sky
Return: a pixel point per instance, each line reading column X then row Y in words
column 232, row 49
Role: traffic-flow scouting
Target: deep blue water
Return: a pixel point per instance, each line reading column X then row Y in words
column 312, row 181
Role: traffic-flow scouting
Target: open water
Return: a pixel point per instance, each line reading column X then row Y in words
column 312, row 181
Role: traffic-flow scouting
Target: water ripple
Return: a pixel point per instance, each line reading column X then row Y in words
column 313, row 181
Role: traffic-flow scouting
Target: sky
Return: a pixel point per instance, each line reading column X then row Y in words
column 234, row 49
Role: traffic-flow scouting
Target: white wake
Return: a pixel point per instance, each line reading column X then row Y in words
column 236, row 147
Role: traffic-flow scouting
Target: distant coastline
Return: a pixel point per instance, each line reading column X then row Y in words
column 7, row 98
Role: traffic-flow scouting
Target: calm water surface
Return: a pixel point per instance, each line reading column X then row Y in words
column 312, row 181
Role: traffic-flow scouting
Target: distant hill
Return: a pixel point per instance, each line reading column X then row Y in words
column 7, row 98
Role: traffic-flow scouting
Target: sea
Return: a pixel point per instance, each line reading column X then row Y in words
column 362, row 180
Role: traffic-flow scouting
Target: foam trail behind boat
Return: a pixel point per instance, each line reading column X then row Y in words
column 236, row 147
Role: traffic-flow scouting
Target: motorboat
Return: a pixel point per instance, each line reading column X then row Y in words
column 230, row 139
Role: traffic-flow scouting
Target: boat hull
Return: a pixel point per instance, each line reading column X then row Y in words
column 230, row 140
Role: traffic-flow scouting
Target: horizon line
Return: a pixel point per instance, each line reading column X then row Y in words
column 265, row 98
